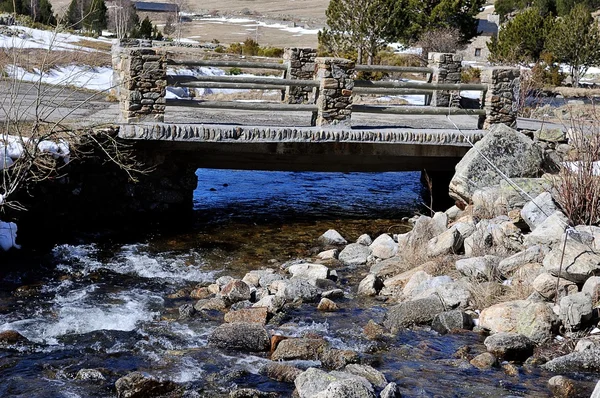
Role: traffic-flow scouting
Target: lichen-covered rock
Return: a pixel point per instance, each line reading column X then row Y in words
column 510, row 151
column 577, row 361
column 538, row 210
column 448, row 321
column 549, row 232
column 313, row 382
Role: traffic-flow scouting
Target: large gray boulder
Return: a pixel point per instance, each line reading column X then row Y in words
column 536, row 211
column 374, row 376
column 314, row 383
column 575, row 310
column 309, row 271
column 549, row 232
column 354, row 254
column 384, row 247
column 508, row 150
column 533, row 254
column 139, row 385
column 448, row 321
column 241, row 336
column 298, row 289
column 409, row 313
column 578, row 262
column 510, row 346
column 482, row 268
column 332, row 237
column 577, row 361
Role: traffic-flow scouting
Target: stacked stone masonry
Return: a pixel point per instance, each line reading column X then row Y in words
column 141, row 76
column 446, row 69
column 334, row 99
column 501, row 99
column 301, row 66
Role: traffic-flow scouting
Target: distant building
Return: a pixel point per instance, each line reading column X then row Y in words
column 477, row 49
column 147, row 6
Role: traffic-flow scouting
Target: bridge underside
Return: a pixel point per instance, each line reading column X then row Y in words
column 302, row 149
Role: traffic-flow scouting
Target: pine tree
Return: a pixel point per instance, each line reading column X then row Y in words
column 45, row 14
column 145, row 30
column 95, row 17
column 575, row 41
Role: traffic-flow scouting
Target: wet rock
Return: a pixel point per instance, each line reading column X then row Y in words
column 562, row 387
column 309, row 271
column 241, row 336
column 548, row 232
column 374, row 376
column 482, row 268
column 315, row 381
column 346, row 389
column 186, row 311
column 448, row 321
column 538, row 210
column 327, row 305
column 11, row 337
column 200, row 293
column 575, row 310
column 252, row 393
column 141, row 385
column 510, row 346
column 299, row 289
column 333, row 358
column 240, row 305
column 216, row 303
column 373, row 331
column 545, row 284
column 223, row 280
column 533, row 319
column 390, row 391
column 354, row 254
column 370, row 286
column 384, row 247
column 214, row 288
column 89, row 374
column 299, row 348
column 484, row 361
column 281, row 372
column 332, row 237
column 510, row 369
column 533, row 254
column 333, row 294
column 584, row 361
column 514, row 153
column 364, row 240
column 409, row 313
column 236, row 290
column 331, row 254
column 578, row 261
column 252, row 315
column 272, row 303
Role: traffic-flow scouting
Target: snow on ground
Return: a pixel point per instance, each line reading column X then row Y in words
column 80, row 76
column 250, row 23
column 45, row 39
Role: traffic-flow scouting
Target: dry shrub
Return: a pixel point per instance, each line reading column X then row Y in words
column 44, row 60
column 486, row 294
column 442, row 265
column 578, row 182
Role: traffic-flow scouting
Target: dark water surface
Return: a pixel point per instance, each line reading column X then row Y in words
column 104, row 304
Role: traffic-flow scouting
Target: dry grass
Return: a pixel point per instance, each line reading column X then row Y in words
column 95, row 45
column 38, row 59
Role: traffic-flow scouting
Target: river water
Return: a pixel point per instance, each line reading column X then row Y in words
column 107, row 303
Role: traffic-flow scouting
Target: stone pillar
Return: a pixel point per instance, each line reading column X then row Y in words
column 502, row 97
column 301, row 66
column 140, row 79
column 446, row 69
column 334, row 97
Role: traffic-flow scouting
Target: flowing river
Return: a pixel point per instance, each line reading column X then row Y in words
column 108, row 303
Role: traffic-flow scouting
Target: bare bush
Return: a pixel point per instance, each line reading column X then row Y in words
column 441, row 40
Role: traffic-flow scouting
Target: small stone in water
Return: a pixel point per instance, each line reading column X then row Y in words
column 89, row 374
column 484, row 361
column 373, row 331
column 327, row 305
column 252, row 315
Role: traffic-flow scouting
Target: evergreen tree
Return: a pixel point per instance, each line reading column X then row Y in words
column 145, row 30
column 16, row 6
column 95, row 17
column 522, row 39
column 74, row 15
column 45, row 14
column 575, row 41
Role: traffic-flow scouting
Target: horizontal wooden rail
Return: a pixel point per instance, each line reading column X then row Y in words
column 246, row 106
column 233, row 64
column 391, row 91
column 390, row 68
column 422, row 86
column 415, row 110
column 234, row 86
column 182, row 80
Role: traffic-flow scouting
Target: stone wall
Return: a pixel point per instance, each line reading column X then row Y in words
column 140, row 78
column 334, row 99
column 301, row 66
column 501, row 100
column 446, row 69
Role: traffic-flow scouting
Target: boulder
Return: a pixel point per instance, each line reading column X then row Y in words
column 575, row 310
column 333, row 294
column 538, row 210
column 309, row 271
column 332, row 237
column 504, row 197
column 299, row 289
column 550, row 135
column 449, row 242
column 327, row 305
column 374, row 376
column 453, row 294
column 562, row 387
column 482, row 268
column 299, row 348
column 281, row 372
column 577, row 361
column 533, row 254
column 400, row 280
column 266, row 279
column 384, row 247
column 333, row 358
column 346, row 389
column 252, row 315
column 354, row 254
column 215, row 303
column 418, row 283
column 141, row 385
column 390, row 391
column 409, row 313
column 578, row 261
column 236, row 290
column 545, row 284
column 484, row 361
column 549, row 232
column 364, row 240
column 370, row 286
column 252, row 278
column 592, row 287
column 510, row 346
column 11, row 337
column 252, row 393
column 89, row 374
column 331, row 254
column 532, row 319
column 241, row 336
column 314, row 381
column 448, row 321
column 513, row 153
column 272, row 303
column 388, row 267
